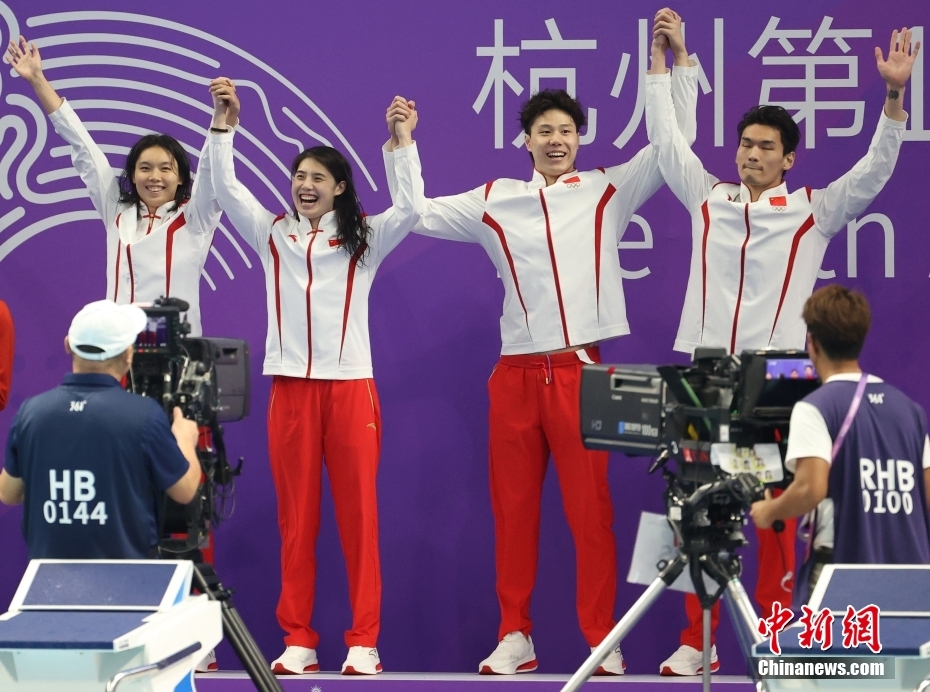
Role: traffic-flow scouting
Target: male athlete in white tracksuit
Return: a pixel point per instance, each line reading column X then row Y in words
column 756, row 250
column 755, row 255
column 554, row 242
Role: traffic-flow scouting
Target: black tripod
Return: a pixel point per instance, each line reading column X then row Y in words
column 207, row 581
column 701, row 552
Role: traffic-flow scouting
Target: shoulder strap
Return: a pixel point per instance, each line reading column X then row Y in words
column 850, row 414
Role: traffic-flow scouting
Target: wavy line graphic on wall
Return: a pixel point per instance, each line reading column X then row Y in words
column 129, row 74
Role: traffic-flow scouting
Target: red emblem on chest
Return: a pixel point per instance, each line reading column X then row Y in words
column 573, row 182
column 335, row 242
column 778, row 203
column 292, row 236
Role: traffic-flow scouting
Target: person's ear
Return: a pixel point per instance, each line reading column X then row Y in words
column 68, row 347
column 813, row 348
column 789, row 162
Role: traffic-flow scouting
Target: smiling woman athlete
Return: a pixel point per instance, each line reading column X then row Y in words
column 319, row 261
column 159, row 224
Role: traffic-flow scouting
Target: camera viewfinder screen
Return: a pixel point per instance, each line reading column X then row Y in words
column 790, row 368
column 787, row 380
column 155, row 334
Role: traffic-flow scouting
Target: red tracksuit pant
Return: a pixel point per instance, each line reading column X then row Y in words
column 336, row 422
column 535, row 411
column 774, row 582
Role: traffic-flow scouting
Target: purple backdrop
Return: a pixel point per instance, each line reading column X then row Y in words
column 312, row 72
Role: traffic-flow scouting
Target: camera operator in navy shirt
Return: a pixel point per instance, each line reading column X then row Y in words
column 858, row 442
column 91, row 461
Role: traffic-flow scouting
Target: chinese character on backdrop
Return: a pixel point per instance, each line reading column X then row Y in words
column 812, row 74
column 498, row 76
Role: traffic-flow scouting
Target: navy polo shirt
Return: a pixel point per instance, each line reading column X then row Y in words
column 876, row 480
column 95, row 460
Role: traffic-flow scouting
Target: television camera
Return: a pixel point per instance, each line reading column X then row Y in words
column 208, row 379
column 724, row 422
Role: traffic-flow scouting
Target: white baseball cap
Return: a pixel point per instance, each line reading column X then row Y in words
column 103, row 329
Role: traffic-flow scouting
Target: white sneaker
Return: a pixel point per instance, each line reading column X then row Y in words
column 208, row 664
column 362, row 660
column 514, row 654
column 612, row 665
column 296, row 660
column 688, row 661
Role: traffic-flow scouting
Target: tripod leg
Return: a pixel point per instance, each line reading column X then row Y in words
column 745, row 623
column 247, row 650
column 622, row 628
column 744, row 616
column 236, row 632
column 705, row 673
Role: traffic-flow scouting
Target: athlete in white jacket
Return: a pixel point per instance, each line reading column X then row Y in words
column 756, row 247
column 756, row 250
column 159, row 224
column 554, row 242
column 320, row 260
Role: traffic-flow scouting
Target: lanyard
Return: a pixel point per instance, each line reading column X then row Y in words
column 850, row 414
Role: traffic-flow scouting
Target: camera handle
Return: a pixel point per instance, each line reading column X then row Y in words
column 660, row 461
column 738, row 603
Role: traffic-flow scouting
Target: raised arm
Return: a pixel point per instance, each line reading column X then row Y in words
column 399, row 110
column 25, row 59
column 251, row 219
column 639, row 178
column 203, row 206
column 86, row 157
column 680, row 166
column 455, row 217
column 402, row 166
column 846, row 197
column 452, row 218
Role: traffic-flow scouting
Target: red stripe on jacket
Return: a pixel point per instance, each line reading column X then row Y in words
column 276, row 261
column 742, row 276
column 705, row 212
column 805, row 227
column 486, row 219
column 555, row 269
column 313, row 235
column 353, row 263
column 598, row 224
column 175, row 226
